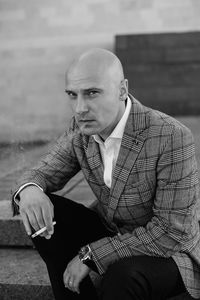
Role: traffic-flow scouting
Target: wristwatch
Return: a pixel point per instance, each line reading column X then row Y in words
column 85, row 254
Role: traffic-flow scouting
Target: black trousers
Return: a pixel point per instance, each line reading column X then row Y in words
column 139, row 277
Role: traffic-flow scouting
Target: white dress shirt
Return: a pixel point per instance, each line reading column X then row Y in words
column 110, row 147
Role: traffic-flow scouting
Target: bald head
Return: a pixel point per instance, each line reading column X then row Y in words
column 94, row 63
column 97, row 89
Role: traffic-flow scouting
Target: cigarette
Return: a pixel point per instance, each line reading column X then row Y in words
column 41, row 230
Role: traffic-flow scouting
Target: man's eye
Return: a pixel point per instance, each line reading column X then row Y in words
column 92, row 93
column 71, row 94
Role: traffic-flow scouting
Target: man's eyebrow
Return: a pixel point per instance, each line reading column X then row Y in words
column 69, row 91
column 91, row 89
column 84, row 90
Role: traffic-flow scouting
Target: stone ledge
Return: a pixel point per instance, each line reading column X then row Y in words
column 12, row 230
column 25, row 292
column 23, row 275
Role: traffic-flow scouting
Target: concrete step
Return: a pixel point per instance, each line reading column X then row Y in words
column 12, row 232
column 23, row 275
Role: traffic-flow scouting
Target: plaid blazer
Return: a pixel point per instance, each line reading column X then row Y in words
column 153, row 203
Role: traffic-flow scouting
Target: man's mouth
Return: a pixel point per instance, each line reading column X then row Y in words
column 85, row 121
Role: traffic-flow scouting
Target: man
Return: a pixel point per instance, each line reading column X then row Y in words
column 142, row 238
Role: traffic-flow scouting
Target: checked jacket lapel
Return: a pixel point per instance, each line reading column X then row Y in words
column 94, row 159
column 132, row 143
column 96, row 170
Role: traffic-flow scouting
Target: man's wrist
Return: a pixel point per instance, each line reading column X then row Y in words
column 16, row 196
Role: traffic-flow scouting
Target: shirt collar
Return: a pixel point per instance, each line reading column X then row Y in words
column 118, row 131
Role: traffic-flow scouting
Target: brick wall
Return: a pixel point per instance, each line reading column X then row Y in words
column 38, row 38
column 163, row 70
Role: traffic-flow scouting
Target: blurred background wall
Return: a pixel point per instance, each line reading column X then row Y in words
column 38, row 38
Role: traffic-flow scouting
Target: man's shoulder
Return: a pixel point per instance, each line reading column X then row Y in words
column 161, row 119
column 155, row 121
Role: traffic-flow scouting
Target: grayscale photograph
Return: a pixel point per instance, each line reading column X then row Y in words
column 99, row 149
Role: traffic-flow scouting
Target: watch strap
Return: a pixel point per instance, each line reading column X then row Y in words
column 85, row 255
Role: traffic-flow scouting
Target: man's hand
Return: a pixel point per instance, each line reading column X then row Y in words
column 36, row 210
column 75, row 272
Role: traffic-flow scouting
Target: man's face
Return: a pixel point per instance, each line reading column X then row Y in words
column 95, row 101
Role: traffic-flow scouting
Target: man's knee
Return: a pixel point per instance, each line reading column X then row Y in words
column 125, row 281
column 63, row 205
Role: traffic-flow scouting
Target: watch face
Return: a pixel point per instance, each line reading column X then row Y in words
column 85, row 253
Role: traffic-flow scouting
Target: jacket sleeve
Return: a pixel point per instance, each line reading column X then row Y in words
column 174, row 226
column 53, row 171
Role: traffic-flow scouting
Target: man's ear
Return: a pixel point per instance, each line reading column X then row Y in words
column 124, row 89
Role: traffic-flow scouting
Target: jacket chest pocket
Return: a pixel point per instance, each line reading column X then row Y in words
column 138, row 193
column 135, row 205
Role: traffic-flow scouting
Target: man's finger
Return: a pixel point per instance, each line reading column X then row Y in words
column 65, row 278
column 42, row 224
column 32, row 218
column 48, row 220
column 39, row 218
column 26, row 224
column 76, row 286
column 70, row 282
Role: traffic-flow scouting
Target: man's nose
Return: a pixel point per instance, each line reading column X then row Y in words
column 81, row 106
